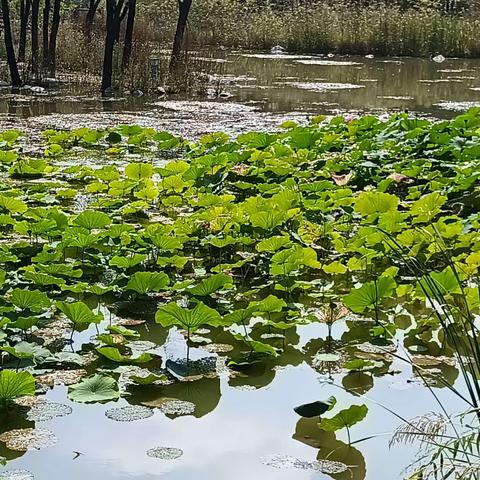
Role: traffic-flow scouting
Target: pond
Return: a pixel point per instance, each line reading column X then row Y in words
column 221, row 398
column 263, row 90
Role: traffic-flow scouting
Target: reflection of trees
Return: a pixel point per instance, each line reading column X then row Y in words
column 204, row 393
column 13, row 419
column 329, row 448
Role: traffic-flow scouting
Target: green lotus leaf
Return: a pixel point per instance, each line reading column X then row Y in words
column 190, row 319
column 427, row 207
column 12, row 205
column 257, row 346
column 335, row 268
column 147, row 282
column 373, row 204
column 149, row 379
column 240, row 316
column 114, row 355
column 138, row 171
column 98, row 388
column 127, row 262
column 79, row 313
column 25, row 323
column 25, row 350
column 269, row 304
column 16, row 384
column 212, row 284
column 344, row 419
column 369, row 294
column 33, row 300
column 273, row 244
column 92, row 220
column 43, row 279
column 126, row 332
column 443, row 283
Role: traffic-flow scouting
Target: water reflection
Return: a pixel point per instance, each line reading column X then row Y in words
column 271, row 86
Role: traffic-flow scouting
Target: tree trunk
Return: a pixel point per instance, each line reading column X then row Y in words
column 25, row 6
column 52, row 46
column 183, row 11
column 45, row 28
column 111, row 30
column 128, row 43
column 89, row 19
column 12, row 61
column 35, row 53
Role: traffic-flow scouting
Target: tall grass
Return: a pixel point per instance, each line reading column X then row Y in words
column 322, row 27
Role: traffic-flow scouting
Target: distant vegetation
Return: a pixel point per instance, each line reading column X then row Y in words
column 133, row 44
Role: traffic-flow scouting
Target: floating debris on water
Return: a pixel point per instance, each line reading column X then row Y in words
column 176, row 407
column 457, row 106
column 217, row 348
column 65, row 377
column 29, row 401
column 141, row 345
column 331, row 63
column 129, row 413
column 165, row 453
column 325, row 87
column 324, row 466
column 427, row 360
column 16, row 475
column 25, row 439
column 48, row 411
column 367, row 347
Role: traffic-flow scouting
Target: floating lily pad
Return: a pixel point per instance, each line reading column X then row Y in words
column 323, row 466
column 43, row 412
column 165, row 453
column 16, row 475
column 176, row 407
column 129, row 413
column 28, row 439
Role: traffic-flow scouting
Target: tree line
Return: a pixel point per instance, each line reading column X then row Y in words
column 38, row 26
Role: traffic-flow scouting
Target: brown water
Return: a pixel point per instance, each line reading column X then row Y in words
column 239, row 422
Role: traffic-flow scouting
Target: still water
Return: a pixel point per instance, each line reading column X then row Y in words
column 240, row 422
column 263, row 90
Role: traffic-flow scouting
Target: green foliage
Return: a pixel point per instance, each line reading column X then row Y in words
column 15, row 384
column 99, row 388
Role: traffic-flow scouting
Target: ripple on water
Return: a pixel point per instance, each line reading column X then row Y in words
column 129, row 413
column 165, row 453
column 25, row 439
column 16, row 475
column 43, row 412
column 324, row 466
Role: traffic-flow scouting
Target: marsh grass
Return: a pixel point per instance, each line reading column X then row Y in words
column 320, row 26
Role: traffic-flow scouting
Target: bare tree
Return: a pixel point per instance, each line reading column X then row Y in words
column 128, row 42
column 34, row 32
column 25, row 7
column 47, row 6
column 52, row 42
column 90, row 17
column 178, row 41
column 12, row 61
column 115, row 14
